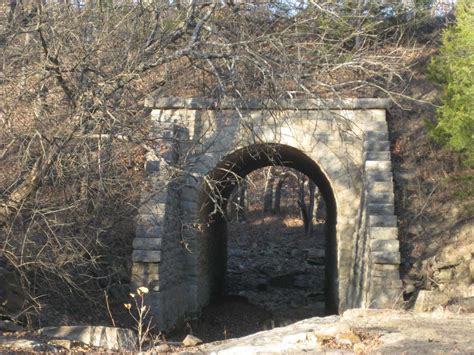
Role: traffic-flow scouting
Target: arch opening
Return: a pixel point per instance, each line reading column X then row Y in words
column 214, row 198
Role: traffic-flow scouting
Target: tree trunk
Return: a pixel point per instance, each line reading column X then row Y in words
column 309, row 227
column 32, row 180
column 307, row 211
column 236, row 206
column 29, row 186
column 268, row 194
column 242, row 204
column 320, row 208
column 277, row 195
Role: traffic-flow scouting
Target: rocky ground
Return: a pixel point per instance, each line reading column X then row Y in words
column 267, row 296
column 356, row 331
column 363, row 331
column 283, row 273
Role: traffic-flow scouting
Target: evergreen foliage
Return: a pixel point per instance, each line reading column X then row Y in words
column 454, row 69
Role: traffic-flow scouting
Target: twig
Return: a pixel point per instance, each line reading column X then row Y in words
column 108, row 308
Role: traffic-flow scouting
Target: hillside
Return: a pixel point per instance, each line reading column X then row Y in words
column 75, row 131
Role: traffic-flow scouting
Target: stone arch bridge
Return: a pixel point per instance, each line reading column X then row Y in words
column 206, row 146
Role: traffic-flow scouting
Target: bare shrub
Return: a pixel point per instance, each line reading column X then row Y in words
column 74, row 128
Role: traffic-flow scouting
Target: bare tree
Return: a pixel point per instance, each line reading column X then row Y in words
column 74, row 130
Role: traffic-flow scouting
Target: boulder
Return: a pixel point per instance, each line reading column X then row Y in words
column 104, row 337
column 428, row 300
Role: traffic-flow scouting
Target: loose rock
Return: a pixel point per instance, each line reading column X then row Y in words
column 62, row 343
column 191, row 340
column 13, row 343
column 9, row 326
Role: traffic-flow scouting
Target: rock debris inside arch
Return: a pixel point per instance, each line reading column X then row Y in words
column 271, row 261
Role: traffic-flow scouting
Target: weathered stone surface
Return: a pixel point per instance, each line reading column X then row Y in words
column 385, row 332
column 103, row 337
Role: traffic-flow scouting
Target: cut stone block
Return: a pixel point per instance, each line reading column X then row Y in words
column 146, row 256
column 382, row 221
column 385, row 270
column 147, row 231
column 382, row 257
column 381, row 197
column 381, row 145
column 380, row 208
column 383, row 232
column 381, row 186
column 146, row 268
column 373, row 176
column 376, row 135
column 147, row 243
column 387, row 245
column 378, row 165
column 371, row 155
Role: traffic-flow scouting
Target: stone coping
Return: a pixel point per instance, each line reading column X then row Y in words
column 200, row 103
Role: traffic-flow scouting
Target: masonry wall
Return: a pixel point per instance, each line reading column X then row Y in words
column 182, row 259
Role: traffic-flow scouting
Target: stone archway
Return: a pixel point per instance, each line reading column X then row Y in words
column 342, row 145
column 225, row 177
